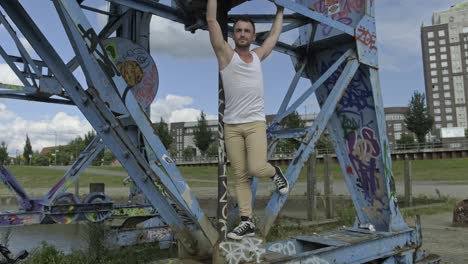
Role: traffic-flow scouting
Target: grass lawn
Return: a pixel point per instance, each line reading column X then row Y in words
column 423, row 170
column 45, row 177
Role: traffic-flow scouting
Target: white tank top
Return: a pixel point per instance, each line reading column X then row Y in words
column 243, row 90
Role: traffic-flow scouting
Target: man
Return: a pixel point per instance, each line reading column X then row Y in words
column 244, row 116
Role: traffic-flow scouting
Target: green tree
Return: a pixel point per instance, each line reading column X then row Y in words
column 202, row 135
column 405, row 141
column 418, row 119
column 39, row 159
column 3, row 153
column 212, row 151
column 27, row 150
column 324, row 144
column 162, row 130
column 293, row 120
column 189, row 153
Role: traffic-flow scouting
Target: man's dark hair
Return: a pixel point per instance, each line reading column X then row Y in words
column 246, row 19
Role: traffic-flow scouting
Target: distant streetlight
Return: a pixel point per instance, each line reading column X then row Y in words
column 56, row 151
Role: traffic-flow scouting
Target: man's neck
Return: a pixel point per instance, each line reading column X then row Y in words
column 242, row 51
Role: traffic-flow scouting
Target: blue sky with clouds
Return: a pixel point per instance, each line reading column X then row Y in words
column 188, row 70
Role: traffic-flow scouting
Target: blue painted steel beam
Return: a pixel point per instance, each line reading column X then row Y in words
column 314, row 87
column 175, row 184
column 302, row 10
column 152, row 7
column 102, row 119
column 313, row 134
column 31, row 97
column 288, row 133
column 347, row 246
column 292, row 18
column 73, row 173
column 280, row 46
column 20, row 46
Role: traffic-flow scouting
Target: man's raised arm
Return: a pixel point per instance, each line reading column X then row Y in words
column 220, row 46
column 270, row 42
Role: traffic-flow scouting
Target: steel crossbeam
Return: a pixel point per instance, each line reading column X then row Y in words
column 336, row 50
column 73, row 173
column 175, row 184
column 313, row 134
column 97, row 113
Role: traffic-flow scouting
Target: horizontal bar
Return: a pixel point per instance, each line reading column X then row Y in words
column 303, row 10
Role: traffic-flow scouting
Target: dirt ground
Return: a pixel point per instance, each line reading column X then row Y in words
column 441, row 238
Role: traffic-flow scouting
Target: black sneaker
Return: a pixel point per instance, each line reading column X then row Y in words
column 244, row 229
column 280, row 181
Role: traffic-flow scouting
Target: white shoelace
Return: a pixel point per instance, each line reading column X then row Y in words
column 279, row 181
column 242, row 227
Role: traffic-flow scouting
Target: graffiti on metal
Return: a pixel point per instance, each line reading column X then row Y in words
column 285, row 248
column 348, row 12
column 246, row 250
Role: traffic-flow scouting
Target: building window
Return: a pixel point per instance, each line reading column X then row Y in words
column 448, row 102
column 436, row 102
column 431, row 43
column 430, row 34
column 433, row 65
column 437, row 118
column 431, row 50
column 398, row 136
column 449, row 118
column 434, row 73
column 445, row 71
column 438, row 126
column 435, row 95
column 442, row 42
column 441, row 33
column 446, row 87
column 448, row 110
column 449, row 125
column 443, row 56
column 432, row 58
column 444, row 64
column 447, row 94
column 435, row 80
column 397, row 127
column 435, row 87
column 445, row 79
column 437, row 110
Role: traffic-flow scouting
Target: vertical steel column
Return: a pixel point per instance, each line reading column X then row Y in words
column 222, row 18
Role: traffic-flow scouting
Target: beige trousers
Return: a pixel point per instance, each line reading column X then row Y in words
column 246, row 148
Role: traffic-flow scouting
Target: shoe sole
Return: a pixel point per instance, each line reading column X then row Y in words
column 236, row 237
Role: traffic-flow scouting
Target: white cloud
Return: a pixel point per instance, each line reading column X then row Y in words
column 43, row 132
column 8, row 76
column 169, row 37
column 5, row 114
column 173, row 108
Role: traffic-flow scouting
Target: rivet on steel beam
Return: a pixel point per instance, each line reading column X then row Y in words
column 106, row 128
column 126, row 154
column 85, row 100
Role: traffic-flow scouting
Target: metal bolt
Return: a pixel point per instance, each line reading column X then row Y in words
column 106, row 128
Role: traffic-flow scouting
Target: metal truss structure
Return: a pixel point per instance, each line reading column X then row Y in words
column 336, row 50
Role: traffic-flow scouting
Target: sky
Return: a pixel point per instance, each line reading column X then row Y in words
column 188, row 70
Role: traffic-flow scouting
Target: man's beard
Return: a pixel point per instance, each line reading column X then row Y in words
column 241, row 45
